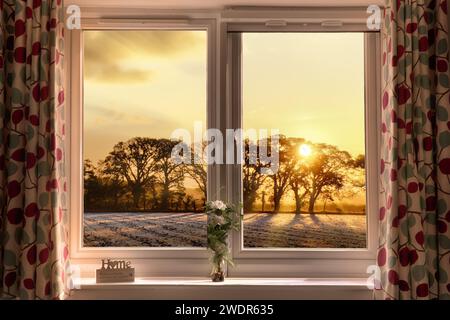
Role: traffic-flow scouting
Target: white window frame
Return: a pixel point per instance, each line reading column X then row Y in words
column 149, row 261
column 307, row 262
column 224, row 111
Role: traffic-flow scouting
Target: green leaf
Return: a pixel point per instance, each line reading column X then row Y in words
column 40, row 235
column 43, row 200
column 418, row 273
column 16, row 96
column 429, row 188
column 30, row 132
column 417, row 128
column 14, row 140
column 44, row 38
column 411, row 221
column 441, row 207
column 423, row 30
column 443, row 276
column 424, row 82
column 431, row 219
column 423, row 59
column 407, row 171
column 23, row 294
column 9, row 258
column 11, row 168
column 43, row 169
column 442, row 46
column 392, row 261
column 443, row 80
column 408, row 59
column 404, row 227
column 11, row 76
column 444, row 241
column 431, row 242
column 47, row 271
column 441, row 113
column 444, row 139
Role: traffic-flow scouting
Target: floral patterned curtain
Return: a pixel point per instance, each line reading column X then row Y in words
column 414, row 250
column 33, row 250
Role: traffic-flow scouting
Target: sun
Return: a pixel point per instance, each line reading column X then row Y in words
column 305, row 150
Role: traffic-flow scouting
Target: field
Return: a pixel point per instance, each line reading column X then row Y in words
column 264, row 230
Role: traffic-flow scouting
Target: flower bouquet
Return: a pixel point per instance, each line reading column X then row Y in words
column 222, row 219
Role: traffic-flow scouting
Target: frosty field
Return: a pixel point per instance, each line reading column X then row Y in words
column 265, row 230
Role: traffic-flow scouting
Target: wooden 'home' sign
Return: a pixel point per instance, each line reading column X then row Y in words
column 115, row 271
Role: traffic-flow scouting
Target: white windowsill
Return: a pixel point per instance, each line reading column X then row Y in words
column 230, row 289
column 89, row 283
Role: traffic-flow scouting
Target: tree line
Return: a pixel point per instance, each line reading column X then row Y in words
column 140, row 175
column 327, row 174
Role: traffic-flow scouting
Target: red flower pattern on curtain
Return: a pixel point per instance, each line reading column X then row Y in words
column 33, row 250
column 414, row 249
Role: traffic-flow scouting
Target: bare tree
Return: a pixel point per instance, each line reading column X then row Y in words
column 101, row 191
column 355, row 179
column 170, row 175
column 134, row 161
column 299, row 186
column 327, row 171
column 298, row 181
column 92, row 185
column 198, row 171
column 287, row 166
column 252, row 179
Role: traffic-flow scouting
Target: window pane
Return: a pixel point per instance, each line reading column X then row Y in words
column 139, row 86
column 310, row 86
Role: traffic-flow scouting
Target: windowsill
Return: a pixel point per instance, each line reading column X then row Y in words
column 356, row 283
column 230, row 289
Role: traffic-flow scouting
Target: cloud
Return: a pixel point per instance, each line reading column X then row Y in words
column 106, row 52
column 109, row 113
column 113, row 73
column 151, row 123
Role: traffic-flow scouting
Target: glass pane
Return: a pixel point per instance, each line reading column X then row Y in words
column 139, row 86
column 309, row 86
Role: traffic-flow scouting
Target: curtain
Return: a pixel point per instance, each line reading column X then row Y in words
column 414, row 248
column 33, row 250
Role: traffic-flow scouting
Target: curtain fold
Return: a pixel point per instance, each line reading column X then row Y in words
column 33, row 249
column 414, row 248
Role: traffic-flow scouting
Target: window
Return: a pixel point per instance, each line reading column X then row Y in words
column 134, row 82
column 319, row 88
column 134, row 193
column 309, row 86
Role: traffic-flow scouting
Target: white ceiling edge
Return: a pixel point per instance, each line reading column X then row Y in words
column 219, row 4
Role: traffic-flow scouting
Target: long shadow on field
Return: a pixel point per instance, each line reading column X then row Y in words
column 314, row 218
column 296, row 219
column 263, row 218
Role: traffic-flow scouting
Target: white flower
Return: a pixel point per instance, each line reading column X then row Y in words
column 219, row 205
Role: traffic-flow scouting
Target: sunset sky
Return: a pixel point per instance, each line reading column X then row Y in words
column 149, row 83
